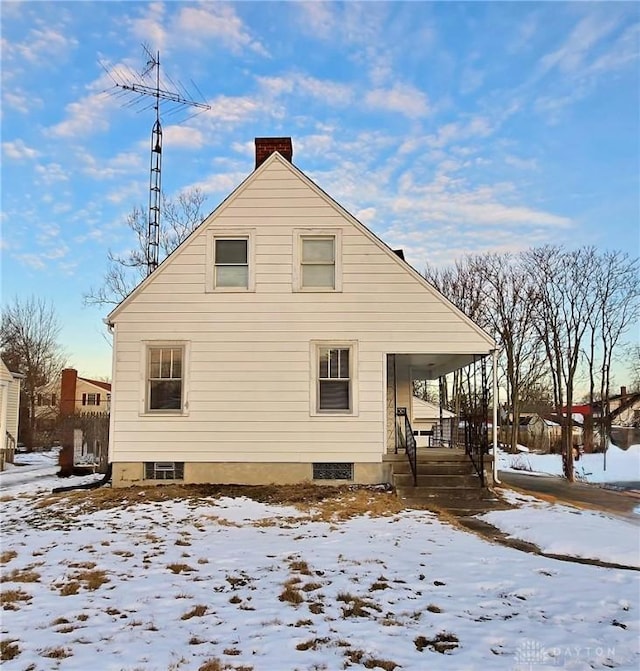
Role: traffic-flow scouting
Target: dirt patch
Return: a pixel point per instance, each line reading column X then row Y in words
column 324, row 502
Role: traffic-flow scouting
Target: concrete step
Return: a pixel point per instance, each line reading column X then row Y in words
column 448, row 493
column 436, row 468
column 437, row 481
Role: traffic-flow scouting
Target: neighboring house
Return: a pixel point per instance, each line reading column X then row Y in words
column 71, row 394
column 83, row 395
column 624, row 409
column 431, row 424
column 9, row 412
column 276, row 343
column 538, row 433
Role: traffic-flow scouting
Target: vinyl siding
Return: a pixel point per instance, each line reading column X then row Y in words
column 248, row 371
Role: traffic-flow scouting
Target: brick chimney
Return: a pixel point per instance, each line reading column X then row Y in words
column 265, row 146
column 623, row 391
column 68, row 391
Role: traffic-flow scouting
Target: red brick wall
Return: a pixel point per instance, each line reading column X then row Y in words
column 265, row 146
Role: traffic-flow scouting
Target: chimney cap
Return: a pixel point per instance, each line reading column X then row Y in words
column 265, row 146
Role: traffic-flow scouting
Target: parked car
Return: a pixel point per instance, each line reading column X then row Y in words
column 21, row 447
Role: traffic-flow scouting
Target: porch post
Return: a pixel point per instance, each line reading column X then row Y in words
column 495, row 417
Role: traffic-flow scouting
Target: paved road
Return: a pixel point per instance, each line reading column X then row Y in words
column 578, row 493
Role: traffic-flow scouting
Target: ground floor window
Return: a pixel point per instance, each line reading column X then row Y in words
column 164, row 470
column 164, row 378
column 333, row 471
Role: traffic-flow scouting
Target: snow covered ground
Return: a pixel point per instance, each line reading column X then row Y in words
column 621, row 465
column 234, row 584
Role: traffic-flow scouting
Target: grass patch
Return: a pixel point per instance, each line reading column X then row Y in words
column 291, row 594
column 432, row 608
column 180, row 568
column 9, row 649
column 312, row 644
column 321, row 502
column 70, row 588
column 10, row 598
column 20, row 575
column 300, row 567
column 196, row 611
column 443, row 642
column 316, row 607
column 56, row 653
column 7, row 556
column 356, row 606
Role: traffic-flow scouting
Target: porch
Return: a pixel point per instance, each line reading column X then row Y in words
column 455, row 459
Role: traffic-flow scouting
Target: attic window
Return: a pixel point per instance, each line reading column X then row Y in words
column 317, row 260
column 230, row 265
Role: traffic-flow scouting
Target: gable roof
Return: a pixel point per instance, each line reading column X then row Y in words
column 97, row 383
column 336, row 206
column 428, row 410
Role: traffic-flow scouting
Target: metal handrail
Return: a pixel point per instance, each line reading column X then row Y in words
column 409, row 444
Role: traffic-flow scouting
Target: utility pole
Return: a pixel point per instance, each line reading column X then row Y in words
column 136, row 88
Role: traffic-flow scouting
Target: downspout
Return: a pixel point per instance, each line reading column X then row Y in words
column 495, row 418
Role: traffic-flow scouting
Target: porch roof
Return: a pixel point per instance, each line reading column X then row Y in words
column 432, row 366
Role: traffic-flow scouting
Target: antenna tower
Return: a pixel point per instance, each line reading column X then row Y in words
column 137, row 89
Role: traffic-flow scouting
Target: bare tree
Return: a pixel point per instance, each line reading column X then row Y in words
column 180, row 217
column 509, row 294
column 632, row 356
column 618, row 305
column 29, row 334
column 567, row 295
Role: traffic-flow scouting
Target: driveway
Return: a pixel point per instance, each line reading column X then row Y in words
column 624, row 503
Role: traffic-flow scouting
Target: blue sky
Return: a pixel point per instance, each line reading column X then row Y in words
column 445, row 127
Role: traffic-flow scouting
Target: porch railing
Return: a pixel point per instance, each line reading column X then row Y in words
column 408, row 441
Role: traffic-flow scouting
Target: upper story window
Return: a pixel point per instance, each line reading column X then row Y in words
column 164, row 378
column 317, row 261
column 230, row 265
column 93, row 399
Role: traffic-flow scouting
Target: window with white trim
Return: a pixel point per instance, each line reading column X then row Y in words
column 164, row 378
column 317, row 260
column 230, row 260
column 231, row 263
column 334, row 379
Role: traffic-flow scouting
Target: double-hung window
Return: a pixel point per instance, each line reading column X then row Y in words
column 165, row 378
column 230, row 265
column 317, row 264
column 334, row 389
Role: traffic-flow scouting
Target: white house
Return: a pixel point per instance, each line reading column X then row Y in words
column 276, row 343
column 431, row 423
column 9, row 411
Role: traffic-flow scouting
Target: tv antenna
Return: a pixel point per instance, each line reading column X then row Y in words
column 137, row 88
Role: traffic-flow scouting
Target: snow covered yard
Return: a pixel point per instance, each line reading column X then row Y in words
column 206, row 583
column 621, row 465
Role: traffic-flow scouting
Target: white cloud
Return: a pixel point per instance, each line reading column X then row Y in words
column 571, row 55
column 18, row 150
column 330, row 92
column 51, row 172
column 21, row 101
column 217, row 22
column 122, row 164
column 476, row 127
column 87, row 115
column 402, row 98
column 148, row 29
column 42, row 45
column 317, row 18
column 183, row 136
